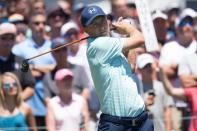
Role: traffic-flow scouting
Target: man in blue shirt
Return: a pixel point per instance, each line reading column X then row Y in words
column 34, row 46
column 121, row 105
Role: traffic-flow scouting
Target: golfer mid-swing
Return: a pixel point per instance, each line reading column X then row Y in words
column 122, row 107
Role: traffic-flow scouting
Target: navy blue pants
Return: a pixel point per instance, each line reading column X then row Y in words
column 114, row 123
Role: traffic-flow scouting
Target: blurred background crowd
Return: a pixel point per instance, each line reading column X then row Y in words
column 58, row 94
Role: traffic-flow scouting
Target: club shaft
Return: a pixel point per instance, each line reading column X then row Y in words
column 57, row 48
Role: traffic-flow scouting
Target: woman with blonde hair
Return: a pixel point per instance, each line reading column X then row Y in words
column 15, row 114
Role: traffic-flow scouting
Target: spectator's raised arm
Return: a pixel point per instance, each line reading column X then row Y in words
column 175, row 92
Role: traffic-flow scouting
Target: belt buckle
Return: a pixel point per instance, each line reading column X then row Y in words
column 134, row 123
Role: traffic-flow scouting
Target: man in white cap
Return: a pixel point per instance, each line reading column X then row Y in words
column 160, row 23
column 158, row 102
column 11, row 62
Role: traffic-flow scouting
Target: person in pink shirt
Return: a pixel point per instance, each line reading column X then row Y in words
column 187, row 94
column 67, row 111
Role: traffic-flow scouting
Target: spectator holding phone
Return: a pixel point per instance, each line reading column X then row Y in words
column 157, row 101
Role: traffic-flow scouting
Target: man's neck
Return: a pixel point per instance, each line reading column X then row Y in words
column 55, row 33
column 38, row 40
column 184, row 43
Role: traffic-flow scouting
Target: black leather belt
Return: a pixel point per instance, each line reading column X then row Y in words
column 128, row 121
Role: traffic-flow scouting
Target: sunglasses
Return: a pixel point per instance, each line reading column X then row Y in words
column 7, row 37
column 57, row 14
column 7, row 86
column 53, row 15
column 39, row 22
column 184, row 23
column 70, row 33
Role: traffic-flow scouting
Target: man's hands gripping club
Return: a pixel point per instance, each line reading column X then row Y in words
column 135, row 38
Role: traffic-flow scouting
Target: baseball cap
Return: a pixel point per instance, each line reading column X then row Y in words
column 57, row 42
column 173, row 6
column 67, row 26
column 7, row 28
column 63, row 73
column 16, row 18
column 144, row 59
column 186, row 13
column 159, row 14
column 89, row 13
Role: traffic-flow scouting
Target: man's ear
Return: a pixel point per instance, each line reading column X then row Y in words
column 87, row 30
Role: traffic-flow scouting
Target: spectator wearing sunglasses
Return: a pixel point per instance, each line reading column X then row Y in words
column 173, row 52
column 15, row 114
column 33, row 46
column 10, row 62
column 56, row 18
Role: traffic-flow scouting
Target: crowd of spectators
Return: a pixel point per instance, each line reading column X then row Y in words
column 57, row 93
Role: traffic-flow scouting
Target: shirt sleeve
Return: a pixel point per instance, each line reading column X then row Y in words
column 16, row 50
column 183, row 67
column 108, row 48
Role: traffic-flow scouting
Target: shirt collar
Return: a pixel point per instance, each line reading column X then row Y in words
column 32, row 43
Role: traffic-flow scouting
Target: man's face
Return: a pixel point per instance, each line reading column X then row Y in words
column 7, row 41
column 71, row 35
column 99, row 27
column 38, row 23
column 160, row 29
column 186, row 30
column 146, row 71
column 56, row 19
